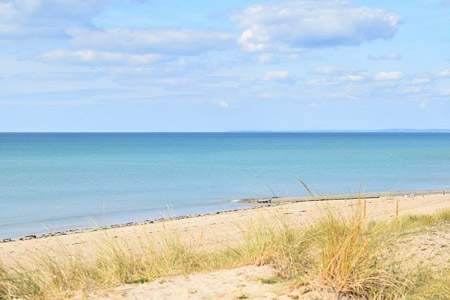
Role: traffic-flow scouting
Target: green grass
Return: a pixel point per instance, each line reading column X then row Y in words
column 433, row 286
column 346, row 256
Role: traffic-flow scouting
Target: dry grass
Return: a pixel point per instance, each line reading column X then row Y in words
column 343, row 255
column 414, row 221
column 349, row 259
column 435, row 287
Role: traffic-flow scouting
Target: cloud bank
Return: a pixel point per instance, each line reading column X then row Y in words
column 308, row 24
column 167, row 41
column 98, row 57
column 45, row 18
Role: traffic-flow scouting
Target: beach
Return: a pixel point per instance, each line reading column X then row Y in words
column 198, row 150
column 56, row 182
column 213, row 256
column 221, row 228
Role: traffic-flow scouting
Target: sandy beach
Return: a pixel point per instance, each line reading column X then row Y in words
column 224, row 150
column 254, row 279
column 220, row 229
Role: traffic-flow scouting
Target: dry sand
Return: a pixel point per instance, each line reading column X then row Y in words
column 226, row 229
column 424, row 246
column 239, row 283
column 220, row 229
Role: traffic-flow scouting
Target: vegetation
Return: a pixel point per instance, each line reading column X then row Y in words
column 346, row 256
column 436, row 287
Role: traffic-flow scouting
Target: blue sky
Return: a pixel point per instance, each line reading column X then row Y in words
column 136, row 65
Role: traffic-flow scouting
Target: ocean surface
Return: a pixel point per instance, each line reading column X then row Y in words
column 57, row 181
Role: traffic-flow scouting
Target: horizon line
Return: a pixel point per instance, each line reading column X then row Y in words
column 401, row 130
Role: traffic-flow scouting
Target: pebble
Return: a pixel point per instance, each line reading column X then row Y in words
column 59, row 233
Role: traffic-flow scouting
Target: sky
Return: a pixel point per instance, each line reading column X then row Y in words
column 166, row 65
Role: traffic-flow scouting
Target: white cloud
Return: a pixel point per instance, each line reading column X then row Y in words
column 389, row 76
column 334, row 70
column 172, row 41
column 354, row 78
column 98, row 57
column 443, row 73
column 266, row 58
column 224, row 104
column 410, row 90
column 421, row 80
column 7, row 11
column 386, row 56
column 339, row 73
column 321, row 82
column 57, row 9
column 46, row 18
column 299, row 24
column 278, row 75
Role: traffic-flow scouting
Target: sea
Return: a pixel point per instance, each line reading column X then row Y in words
column 52, row 182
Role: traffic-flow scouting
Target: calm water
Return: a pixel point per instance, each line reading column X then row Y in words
column 51, row 182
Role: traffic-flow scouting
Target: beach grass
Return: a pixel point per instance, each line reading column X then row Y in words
column 436, row 286
column 345, row 255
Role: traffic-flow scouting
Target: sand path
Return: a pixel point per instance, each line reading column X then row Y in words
column 239, row 283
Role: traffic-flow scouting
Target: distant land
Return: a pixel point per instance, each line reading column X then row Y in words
column 248, row 131
column 344, row 131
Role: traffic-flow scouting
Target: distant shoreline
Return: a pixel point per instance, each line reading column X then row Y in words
column 239, row 131
column 258, row 202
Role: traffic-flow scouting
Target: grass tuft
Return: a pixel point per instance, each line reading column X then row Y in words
column 349, row 259
column 344, row 255
column 435, row 286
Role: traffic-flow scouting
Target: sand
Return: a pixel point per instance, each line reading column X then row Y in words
column 239, row 283
column 223, row 229
column 425, row 246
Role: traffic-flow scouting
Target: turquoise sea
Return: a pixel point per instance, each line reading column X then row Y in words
column 58, row 181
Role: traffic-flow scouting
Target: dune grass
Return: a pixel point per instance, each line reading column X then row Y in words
column 343, row 255
column 435, row 287
column 350, row 258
